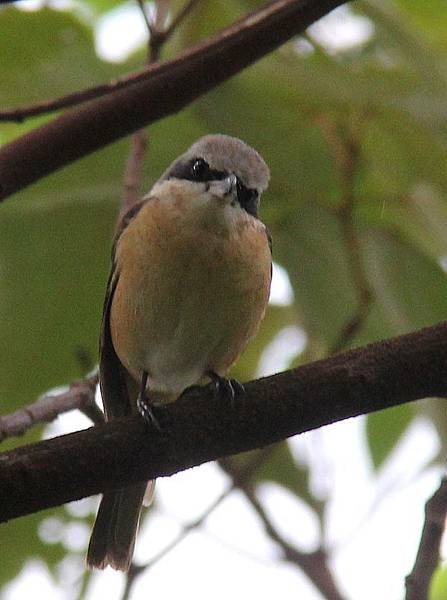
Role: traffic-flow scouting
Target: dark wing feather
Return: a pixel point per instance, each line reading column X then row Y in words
column 270, row 241
column 114, row 379
column 112, row 374
column 113, row 537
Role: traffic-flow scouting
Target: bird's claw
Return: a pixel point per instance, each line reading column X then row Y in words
column 146, row 411
column 227, row 389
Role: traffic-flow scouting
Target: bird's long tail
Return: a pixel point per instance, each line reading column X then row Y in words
column 113, row 537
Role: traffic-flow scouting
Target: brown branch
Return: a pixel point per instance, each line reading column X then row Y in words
column 21, row 113
column 162, row 89
column 159, row 36
column 199, row 427
column 427, row 559
column 133, row 171
column 79, row 396
column 313, row 564
column 146, row 19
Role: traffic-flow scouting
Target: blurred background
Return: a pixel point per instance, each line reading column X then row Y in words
column 352, row 119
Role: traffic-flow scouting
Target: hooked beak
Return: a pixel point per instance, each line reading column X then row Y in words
column 224, row 188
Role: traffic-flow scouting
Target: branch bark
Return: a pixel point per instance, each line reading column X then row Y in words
column 427, row 559
column 199, row 428
column 165, row 89
column 79, row 396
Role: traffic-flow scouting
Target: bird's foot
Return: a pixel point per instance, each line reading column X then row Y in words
column 227, row 389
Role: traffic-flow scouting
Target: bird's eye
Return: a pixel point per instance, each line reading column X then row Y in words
column 200, row 168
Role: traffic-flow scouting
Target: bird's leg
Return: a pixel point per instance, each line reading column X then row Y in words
column 144, row 405
column 227, row 389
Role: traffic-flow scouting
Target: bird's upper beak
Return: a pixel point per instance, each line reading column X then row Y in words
column 224, row 188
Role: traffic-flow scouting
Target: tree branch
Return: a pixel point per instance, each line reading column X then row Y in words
column 165, row 89
column 313, row 564
column 20, row 113
column 79, row 396
column 198, row 427
column 427, row 559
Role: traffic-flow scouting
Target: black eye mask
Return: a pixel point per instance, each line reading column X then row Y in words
column 199, row 170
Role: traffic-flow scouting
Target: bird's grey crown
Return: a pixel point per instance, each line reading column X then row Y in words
column 225, row 154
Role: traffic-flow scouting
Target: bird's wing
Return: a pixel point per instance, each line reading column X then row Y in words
column 270, row 242
column 115, row 381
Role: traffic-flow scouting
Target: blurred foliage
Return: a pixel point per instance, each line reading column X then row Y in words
column 356, row 137
column 438, row 588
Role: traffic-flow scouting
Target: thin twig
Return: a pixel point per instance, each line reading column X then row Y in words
column 145, row 16
column 157, row 37
column 21, row 113
column 79, row 396
column 345, row 147
column 427, row 558
column 133, row 171
column 313, row 564
column 156, row 30
column 182, row 14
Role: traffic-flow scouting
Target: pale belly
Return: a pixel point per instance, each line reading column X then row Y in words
column 189, row 300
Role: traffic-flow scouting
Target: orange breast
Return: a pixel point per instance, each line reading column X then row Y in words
column 193, row 286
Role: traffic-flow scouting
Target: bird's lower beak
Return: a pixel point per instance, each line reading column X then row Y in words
column 224, row 188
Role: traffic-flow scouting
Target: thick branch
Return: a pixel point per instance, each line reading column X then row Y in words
column 199, row 428
column 169, row 87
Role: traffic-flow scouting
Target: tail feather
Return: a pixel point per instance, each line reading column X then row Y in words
column 113, row 537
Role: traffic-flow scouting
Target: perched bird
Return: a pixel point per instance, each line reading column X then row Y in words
column 189, row 285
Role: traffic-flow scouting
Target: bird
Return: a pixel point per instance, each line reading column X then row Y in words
column 188, row 288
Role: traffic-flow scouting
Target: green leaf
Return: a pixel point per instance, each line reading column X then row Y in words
column 101, row 6
column 20, row 542
column 416, row 51
column 46, row 53
column 410, row 291
column 385, row 428
column 409, row 287
column 309, row 244
column 428, row 17
column 438, row 586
